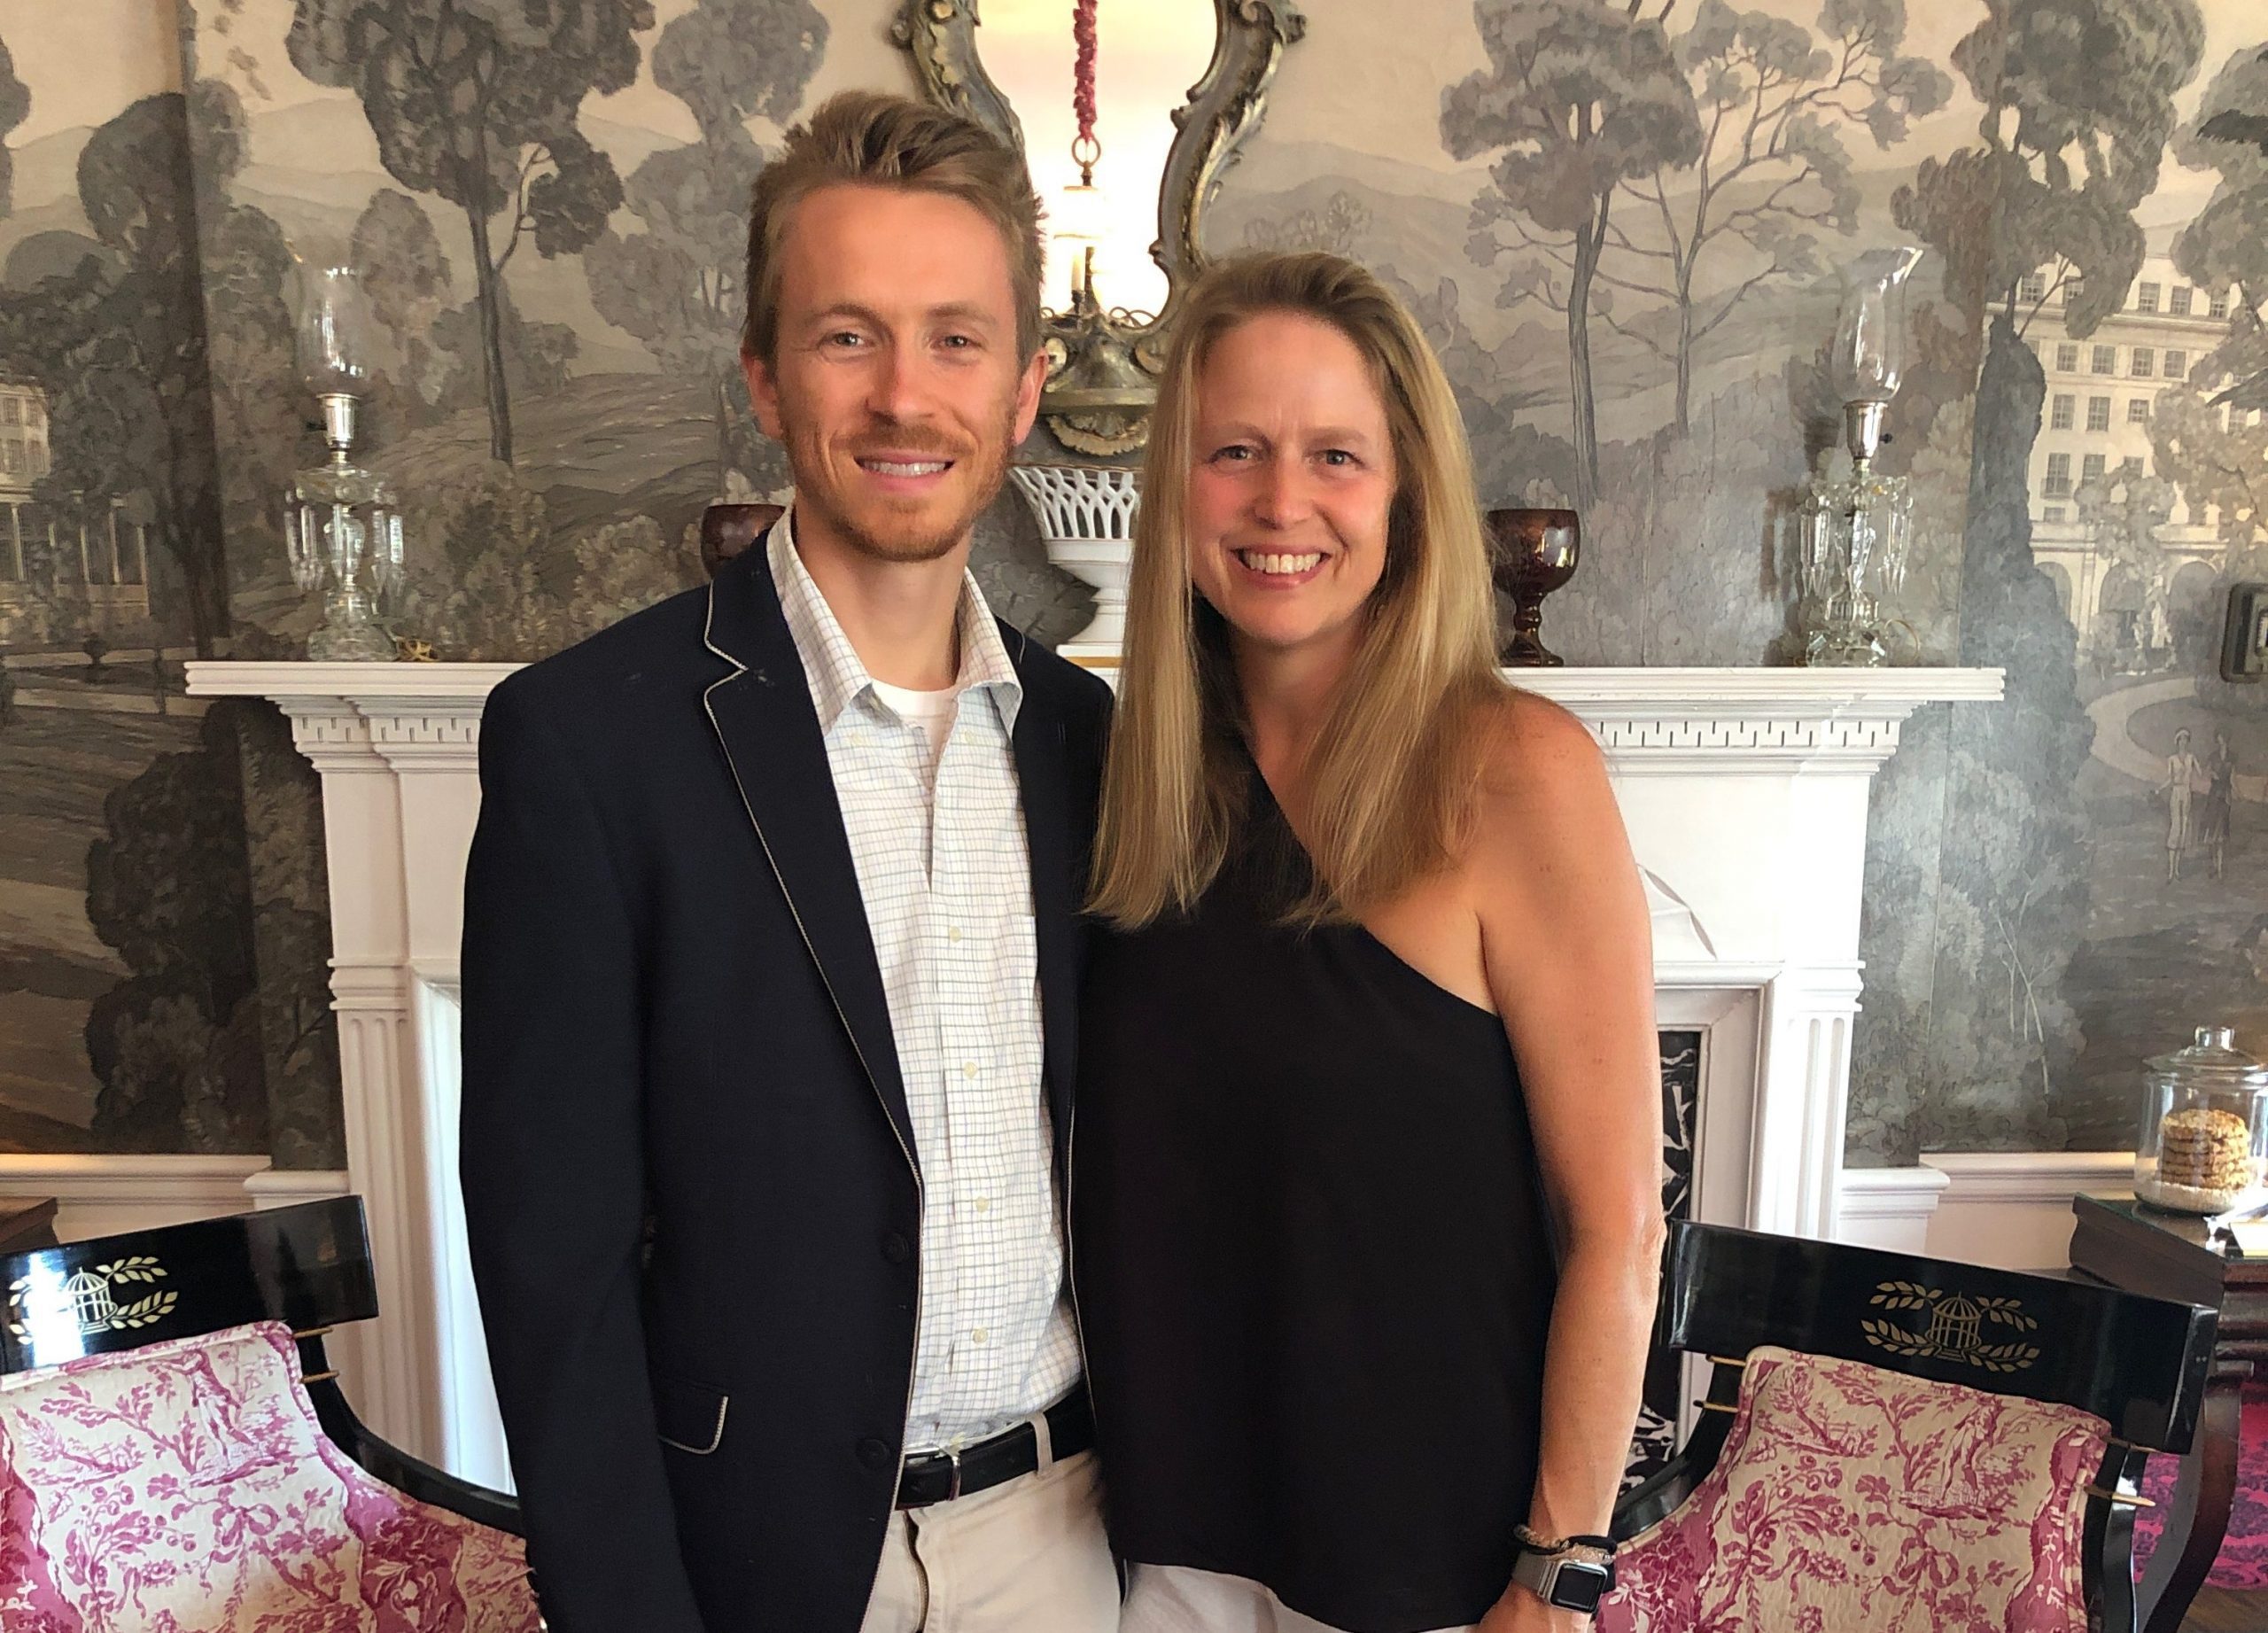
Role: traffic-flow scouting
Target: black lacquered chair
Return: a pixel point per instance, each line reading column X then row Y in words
column 1890, row 1442
column 185, row 1368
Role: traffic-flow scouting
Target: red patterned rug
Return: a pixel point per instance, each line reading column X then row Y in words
column 2244, row 1561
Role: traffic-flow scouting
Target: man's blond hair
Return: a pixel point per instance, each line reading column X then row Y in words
column 871, row 139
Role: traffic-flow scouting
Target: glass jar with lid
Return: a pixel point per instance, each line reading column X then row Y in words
column 2204, row 1141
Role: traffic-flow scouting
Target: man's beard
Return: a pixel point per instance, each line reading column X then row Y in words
column 919, row 535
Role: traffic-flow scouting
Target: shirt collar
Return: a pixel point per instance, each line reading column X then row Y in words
column 831, row 663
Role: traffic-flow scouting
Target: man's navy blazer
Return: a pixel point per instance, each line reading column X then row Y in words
column 689, row 1175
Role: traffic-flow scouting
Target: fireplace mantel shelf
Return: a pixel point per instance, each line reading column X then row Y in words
column 1648, row 719
column 1744, row 793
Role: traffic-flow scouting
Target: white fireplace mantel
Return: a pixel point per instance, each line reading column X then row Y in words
column 1745, row 792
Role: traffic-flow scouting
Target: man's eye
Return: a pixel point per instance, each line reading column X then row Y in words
column 844, row 340
column 957, row 343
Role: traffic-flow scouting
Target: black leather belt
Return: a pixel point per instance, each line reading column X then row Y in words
column 940, row 1476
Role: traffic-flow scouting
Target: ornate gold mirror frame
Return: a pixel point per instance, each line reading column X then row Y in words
column 1102, row 364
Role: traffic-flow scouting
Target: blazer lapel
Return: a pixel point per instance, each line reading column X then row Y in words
column 765, row 718
column 1041, row 772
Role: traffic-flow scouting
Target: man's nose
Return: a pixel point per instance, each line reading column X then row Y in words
column 896, row 391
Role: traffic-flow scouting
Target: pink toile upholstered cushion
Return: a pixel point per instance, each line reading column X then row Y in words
column 188, row 1488
column 1849, row 1499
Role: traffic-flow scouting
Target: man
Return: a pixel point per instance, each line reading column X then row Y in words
column 771, row 964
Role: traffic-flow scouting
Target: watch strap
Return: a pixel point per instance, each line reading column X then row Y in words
column 1532, row 1543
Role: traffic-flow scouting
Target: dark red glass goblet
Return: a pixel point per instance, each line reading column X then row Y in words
column 1534, row 553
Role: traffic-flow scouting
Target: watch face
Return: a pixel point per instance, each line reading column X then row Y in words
column 1580, row 1585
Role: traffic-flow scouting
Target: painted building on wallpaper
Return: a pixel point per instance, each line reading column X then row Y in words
column 2094, row 440
column 61, row 575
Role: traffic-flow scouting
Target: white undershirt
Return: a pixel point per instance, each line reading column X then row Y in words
column 932, row 711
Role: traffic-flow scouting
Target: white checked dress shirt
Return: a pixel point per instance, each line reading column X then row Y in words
column 937, row 838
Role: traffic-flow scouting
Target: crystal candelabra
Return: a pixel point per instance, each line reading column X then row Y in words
column 1856, row 530
column 342, row 525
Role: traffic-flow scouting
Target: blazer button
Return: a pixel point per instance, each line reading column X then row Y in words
column 896, row 1248
column 873, row 1453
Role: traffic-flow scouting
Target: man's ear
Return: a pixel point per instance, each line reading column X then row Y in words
column 1028, row 389
column 764, row 394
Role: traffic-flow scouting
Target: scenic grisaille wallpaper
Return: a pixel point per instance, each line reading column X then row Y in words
column 1621, row 222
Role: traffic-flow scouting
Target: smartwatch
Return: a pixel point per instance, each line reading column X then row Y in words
column 1574, row 1577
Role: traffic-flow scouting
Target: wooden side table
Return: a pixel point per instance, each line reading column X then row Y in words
column 2142, row 1250
column 27, row 1222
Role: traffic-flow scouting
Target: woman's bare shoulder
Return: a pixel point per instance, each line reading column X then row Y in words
column 1534, row 751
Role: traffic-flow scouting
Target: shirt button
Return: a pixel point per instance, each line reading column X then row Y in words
column 896, row 1248
column 983, row 1334
column 953, row 933
column 873, row 1453
column 968, row 1068
column 984, row 1204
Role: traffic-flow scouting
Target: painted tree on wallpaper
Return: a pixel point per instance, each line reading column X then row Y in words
column 407, row 273
column 676, row 285
column 2201, row 429
column 1774, row 99
column 15, row 108
column 1579, row 97
column 2078, row 107
column 258, row 408
column 177, row 1045
column 479, row 101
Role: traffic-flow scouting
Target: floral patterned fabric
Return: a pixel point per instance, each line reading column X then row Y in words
column 188, row 1488
column 1849, row 1499
column 2242, row 1562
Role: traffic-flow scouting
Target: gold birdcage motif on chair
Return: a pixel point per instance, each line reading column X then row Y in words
column 92, row 1307
column 1956, row 1324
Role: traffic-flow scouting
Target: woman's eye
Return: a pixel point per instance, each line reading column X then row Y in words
column 1338, row 457
column 1234, row 453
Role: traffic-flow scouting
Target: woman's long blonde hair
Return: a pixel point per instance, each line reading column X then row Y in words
column 1389, row 780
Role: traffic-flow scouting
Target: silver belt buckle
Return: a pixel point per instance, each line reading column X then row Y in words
column 952, row 1487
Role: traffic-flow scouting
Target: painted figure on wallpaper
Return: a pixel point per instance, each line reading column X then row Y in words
column 479, row 101
column 2217, row 808
column 2185, row 780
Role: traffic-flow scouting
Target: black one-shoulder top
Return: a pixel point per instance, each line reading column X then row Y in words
column 1313, row 1263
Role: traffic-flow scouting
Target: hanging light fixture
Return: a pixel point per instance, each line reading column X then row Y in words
column 1096, row 400
column 1080, row 211
column 1098, row 396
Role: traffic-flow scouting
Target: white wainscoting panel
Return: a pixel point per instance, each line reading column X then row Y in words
column 1889, row 1208
column 2007, row 1208
column 2012, row 1209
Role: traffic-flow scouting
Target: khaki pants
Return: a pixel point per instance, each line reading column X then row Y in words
column 1175, row 1598
column 1028, row 1556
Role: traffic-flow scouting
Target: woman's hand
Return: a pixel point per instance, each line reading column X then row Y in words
column 1520, row 1611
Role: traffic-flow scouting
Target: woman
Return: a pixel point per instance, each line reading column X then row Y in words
column 1366, row 1171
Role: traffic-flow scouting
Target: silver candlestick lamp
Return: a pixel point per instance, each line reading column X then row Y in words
column 1856, row 530
column 341, row 524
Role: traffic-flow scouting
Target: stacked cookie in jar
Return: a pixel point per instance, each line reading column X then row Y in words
column 2204, row 1138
